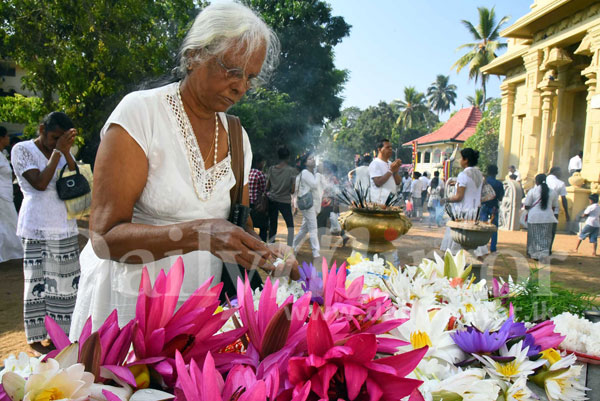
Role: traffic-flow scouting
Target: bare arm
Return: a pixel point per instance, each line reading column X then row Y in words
column 40, row 179
column 565, row 206
column 120, row 176
column 460, row 194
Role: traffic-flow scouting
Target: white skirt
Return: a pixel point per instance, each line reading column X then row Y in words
column 106, row 285
column 10, row 244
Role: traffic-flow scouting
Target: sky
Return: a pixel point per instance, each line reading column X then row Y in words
column 398, row 43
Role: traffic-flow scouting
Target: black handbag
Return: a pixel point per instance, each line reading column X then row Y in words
column 72, row 186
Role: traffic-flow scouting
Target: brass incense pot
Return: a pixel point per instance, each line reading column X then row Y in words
column 373, row 231
column 470, row 234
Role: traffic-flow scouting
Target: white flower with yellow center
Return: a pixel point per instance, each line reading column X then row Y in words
column 50, row 382
column 563, row 380
column 510, row 371
column 427, row 326
column 469, row 385
column 518, row 391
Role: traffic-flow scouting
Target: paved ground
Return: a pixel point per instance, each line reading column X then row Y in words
column 580, row 272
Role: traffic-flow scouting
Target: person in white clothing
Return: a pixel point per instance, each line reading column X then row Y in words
column 513, row 174
column 576, row 163
column 426, row 181
column 307, row 182
column 10, row 245
column 168, row 169
column 467, row 199
column 540, row 204
column 557, row 185
column 49, row 237
column 359, row 177
column 591, row 214
column 416, row 194
column 384, row 174
column 406, row 184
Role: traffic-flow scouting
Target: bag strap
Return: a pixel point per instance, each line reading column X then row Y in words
column 62, row 170
column 237, row 157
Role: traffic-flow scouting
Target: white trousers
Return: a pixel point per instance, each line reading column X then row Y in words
column 309, row 226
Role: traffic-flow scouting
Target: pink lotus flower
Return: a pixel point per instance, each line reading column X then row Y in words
column 159, row 331
column 110, row 342
column 348, row 370
column 545, row 336
column 500, row 292
column 241, row 383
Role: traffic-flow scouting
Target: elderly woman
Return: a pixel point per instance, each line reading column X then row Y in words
column 51, row 249
column 10, row 245
column 166, row 170
column 540, row 204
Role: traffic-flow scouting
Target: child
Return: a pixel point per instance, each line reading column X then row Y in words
column 592, row 224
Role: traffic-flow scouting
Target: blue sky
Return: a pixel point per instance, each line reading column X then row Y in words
column 398, row 43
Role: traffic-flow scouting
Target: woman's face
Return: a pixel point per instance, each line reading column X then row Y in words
column 310, row 161
column 221, row 82
column 4, row 141
column 50, row 138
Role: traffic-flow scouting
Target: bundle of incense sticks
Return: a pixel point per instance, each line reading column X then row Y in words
column 358, row 197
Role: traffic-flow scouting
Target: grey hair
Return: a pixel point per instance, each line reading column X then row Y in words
column 225, row 26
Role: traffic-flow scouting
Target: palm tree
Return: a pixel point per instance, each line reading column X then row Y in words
column 441, row 94
column 478, row 100
column 483, row 50
column 412, row 109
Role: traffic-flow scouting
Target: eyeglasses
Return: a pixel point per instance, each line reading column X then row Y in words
column 238, row 74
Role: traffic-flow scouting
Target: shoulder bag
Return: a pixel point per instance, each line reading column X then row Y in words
column 305, row 201
column 239, row 213
column 487, row 192
column 72, row 186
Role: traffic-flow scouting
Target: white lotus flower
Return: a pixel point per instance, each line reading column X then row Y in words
column 428, row 327
column 518, row 391
column 49, row 382
column 23, row 365
column 565, row 385
column 511, row 371
column 471, row 385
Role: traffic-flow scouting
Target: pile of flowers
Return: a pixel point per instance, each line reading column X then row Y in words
column 361, row 331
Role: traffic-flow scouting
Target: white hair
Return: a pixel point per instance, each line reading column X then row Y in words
column 225, row 26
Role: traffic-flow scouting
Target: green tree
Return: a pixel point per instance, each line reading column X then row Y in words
column 410, row 110
column 92, row 52
column 483, row 50
column 306, row 73
column 19, row 109
column 478, row 99
column 441, row 94
column 485, row 139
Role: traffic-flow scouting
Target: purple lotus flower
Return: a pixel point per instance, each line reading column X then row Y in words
column 312, row 281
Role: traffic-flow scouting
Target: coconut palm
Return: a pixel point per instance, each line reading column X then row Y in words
column 441, row 94
column 483, row 50
column 478, row 100
column 412, row 109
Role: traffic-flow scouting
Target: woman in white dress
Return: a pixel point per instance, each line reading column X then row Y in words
column 467, row 198
column 540, row 204
column 163, row 174
column 306, row 182
column 10, row 245
column 49, row 237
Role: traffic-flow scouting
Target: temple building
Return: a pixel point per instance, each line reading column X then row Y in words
column 439, row 145
column 549, row 94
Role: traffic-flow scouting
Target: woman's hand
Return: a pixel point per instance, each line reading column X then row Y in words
column 289, row 267
column 232, row 244
column 66, row 140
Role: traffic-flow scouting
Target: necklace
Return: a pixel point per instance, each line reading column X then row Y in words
column 215, row 143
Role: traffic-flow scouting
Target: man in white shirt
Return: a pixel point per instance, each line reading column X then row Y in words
column 359, row 177
column 557, row 185
column 384, row 174
column 406, row 184
column 416, row 190
column 425, row 180
column 512, row 171
column 575, row 163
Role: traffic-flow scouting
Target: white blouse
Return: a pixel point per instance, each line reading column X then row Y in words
column 536, row 214
column 6, row 186
column 176, row 191
column 43, row 215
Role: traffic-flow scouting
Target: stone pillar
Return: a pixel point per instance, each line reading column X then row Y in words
column 548, row 89
column 591, row 143
column 528, row 157
column 506, row 127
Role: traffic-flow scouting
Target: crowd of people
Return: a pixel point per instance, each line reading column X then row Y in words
column 175, row 176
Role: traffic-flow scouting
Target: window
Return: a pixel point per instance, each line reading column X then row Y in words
column 437, row 156
column 427, row 157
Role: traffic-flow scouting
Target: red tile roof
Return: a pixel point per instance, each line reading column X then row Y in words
column 457, row 129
